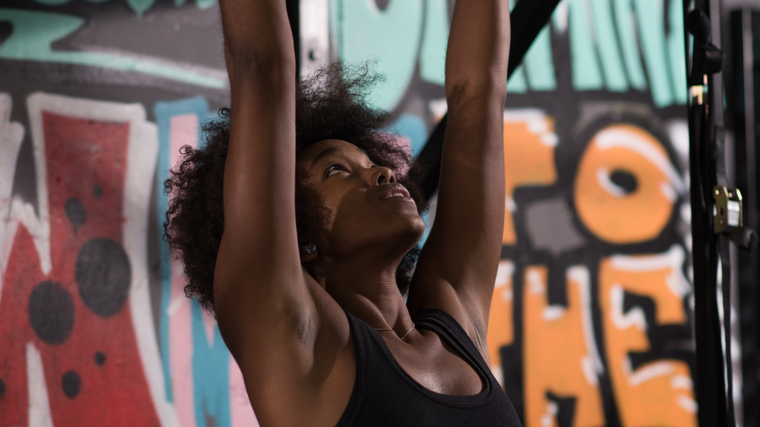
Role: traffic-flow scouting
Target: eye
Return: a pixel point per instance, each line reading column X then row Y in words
column 334, row 168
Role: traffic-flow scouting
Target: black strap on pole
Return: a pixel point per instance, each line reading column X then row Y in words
column 527, row 18
column 716, row 220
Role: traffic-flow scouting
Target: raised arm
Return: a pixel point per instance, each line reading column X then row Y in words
column 263, row 304
column 457, row 266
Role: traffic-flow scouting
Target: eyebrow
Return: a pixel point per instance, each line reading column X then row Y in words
column 324, row 153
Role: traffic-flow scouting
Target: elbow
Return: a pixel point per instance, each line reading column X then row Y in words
column 483, row 88
column 246, row 62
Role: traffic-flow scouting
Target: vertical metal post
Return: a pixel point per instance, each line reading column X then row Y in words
column 703, row 117
column 746, row 180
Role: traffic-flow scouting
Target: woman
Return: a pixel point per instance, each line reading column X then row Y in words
column 306, row 289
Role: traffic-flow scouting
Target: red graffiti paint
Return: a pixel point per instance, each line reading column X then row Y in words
column 92, row 369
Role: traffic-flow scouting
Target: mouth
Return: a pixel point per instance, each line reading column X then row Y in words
column 396, row 190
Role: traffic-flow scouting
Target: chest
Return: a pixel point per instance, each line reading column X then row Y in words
column 436, row 366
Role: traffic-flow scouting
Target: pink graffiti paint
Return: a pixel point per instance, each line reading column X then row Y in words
column 181, row 349
column 241, row 412
column 78, row 314
column 183, row 131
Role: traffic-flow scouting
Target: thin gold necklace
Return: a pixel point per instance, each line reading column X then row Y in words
column 389, row 329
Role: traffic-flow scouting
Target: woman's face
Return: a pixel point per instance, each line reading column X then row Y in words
column 368, row 208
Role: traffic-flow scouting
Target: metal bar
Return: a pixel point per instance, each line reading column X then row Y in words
column 703, row 119
column 746, row 180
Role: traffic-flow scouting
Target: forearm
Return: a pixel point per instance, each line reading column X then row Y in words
column 478, row 48
column 259, row 179
column 466, row 234
column 256, row 35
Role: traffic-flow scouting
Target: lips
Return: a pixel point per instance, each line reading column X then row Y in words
column 396, row 190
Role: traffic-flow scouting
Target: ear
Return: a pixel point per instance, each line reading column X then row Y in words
column 308, row 251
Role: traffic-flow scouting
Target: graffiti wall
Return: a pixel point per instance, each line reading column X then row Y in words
column 590, row 320
column 592, row 305
column 95, row 99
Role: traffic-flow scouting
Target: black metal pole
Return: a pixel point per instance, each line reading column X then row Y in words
column 704, row 116
column 745, row 131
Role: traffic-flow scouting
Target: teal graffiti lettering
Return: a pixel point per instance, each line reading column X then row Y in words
column 539, row 64
column 391, row 36
column 517, row 82
column 624, row 19
column 676, row 52
column 138, row 6
column 584, row 63
column 609, row 54
column 33, row 33
column 651, row 22
column 433, row 54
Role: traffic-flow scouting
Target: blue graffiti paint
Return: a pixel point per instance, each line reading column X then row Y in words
column 33, row 33
column 584, row 64
column 412, row 127
column 433, row 53
column 391, row 36
column 624, row 20
column 211, row 373
column 676, row 52
column 517, row 82
column 164, row 111
column 140, row 6
column 539, row 64
column 204, row 4
column 428, row 225
column 210, row 361
column 651, row 22
column 612, row 64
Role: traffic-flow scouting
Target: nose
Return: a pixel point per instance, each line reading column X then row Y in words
column 381, row 175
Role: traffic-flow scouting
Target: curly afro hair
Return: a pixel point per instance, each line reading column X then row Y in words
column 330, row 104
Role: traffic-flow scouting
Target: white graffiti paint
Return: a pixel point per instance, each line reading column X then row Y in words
column 603, row 178
column 616, row 138
column 621, row 319
column 503, row 283
column 141, row 159
column 39, row 405
column 536, row 122
column 580, row 275
column 647, row 372
column 672, row 260
column 11, row 135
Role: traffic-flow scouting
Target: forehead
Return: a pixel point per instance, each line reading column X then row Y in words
column 322, row 149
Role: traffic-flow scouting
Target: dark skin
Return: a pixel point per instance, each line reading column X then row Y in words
column 288, row 331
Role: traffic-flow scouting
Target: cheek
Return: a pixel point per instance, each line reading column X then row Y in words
column 312, row 216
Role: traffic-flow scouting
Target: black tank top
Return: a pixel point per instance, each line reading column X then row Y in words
column 384, row 395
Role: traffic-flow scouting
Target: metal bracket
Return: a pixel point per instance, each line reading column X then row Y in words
column 728, row 211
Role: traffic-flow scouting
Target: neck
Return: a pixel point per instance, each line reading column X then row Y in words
column 368, row 290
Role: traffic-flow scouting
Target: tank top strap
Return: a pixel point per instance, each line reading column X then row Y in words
column 362, row 342
column 449, row 329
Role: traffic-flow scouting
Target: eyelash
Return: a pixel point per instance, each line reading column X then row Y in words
column 333, row 166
